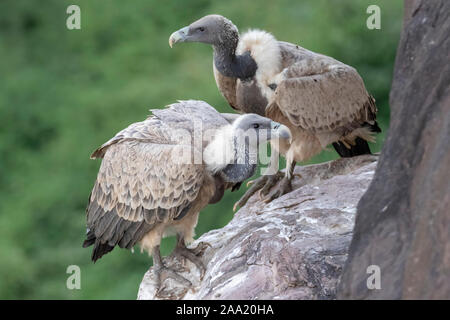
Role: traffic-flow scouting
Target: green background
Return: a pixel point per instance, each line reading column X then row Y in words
column 65, row 92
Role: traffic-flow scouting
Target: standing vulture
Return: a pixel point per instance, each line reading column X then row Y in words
column 323, row 101
column 156, row 176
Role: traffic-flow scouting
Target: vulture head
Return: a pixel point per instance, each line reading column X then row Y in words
column 223, row 35
column 260, row 127
column 212, row 29
column 233, row 151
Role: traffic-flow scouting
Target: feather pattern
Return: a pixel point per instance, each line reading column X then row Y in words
column 319, row 94
column 320, row 99
column 144, row 185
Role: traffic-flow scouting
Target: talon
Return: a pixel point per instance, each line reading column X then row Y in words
column 250, row 183
column 163, row 273
column 257, row 184
column 270, row 198
column 283, row 187
column 200, row 248
column 260, row 196
column 192, row 254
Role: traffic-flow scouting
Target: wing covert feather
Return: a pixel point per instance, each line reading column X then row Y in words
column 137, row 176
column 148, row 175
column 319, row 97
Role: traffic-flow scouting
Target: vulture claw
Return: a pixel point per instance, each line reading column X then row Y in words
column 298, row 175
column 162, row 273
column 193, row 255
column 271, row 181
column 282, row 188
column 200, row 248
column 257, row 184
column 263, row 184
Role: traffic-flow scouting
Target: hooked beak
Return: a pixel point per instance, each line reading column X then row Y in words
column 280, row 131
column 178, row 36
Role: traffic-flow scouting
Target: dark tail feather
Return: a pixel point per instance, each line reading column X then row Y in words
column 88, row 242
column 90, row 238
column 99, row 250
column 361, row 146
column 374, row 127
column 236, row 186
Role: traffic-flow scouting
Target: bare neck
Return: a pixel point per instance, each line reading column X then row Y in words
column 231, row 65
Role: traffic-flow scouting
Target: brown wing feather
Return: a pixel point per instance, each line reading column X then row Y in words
column 150, row 130
column 320, row 94
column 140, row 183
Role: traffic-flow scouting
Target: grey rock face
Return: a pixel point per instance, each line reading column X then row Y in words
column 293, row 248
column 403, row 220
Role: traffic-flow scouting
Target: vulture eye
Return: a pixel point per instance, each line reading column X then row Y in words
column 201, row 29
column 256, row 126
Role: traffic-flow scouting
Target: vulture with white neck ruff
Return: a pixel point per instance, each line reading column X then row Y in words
column 323, row 101
column 156, row 176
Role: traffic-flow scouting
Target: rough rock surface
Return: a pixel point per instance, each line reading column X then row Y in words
column 403, row 220
column 292, row 248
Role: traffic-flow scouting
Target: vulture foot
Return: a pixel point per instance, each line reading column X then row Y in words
column 162, row 273
column 283, row 187
column 192, row 254
column 263, row 184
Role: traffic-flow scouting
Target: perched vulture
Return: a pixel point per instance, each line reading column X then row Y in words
column 323, row 101
column 156, row 176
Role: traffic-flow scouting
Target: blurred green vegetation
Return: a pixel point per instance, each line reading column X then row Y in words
column 63, row 93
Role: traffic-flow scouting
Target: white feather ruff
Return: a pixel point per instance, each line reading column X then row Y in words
column 265, row 50
column 219, row 151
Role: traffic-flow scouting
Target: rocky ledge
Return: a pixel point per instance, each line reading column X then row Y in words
column 293, row 248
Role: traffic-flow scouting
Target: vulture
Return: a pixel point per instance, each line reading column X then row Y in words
column 157, row 175
column 322, row 100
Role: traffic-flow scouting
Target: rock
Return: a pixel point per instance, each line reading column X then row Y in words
column 403, row 220
column 292, row 248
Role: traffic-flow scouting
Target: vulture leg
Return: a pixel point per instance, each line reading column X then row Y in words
column 282, row 188
column 191, row 254
column 284, row 185
column 265, row 183
column 162, row 272
column 272, row 181
column 257, row 184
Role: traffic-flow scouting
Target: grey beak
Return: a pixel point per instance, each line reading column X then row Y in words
column 178, row 36
column 281, row 131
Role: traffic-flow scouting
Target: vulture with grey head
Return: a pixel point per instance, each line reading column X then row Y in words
column 323, row 101
column 158, row 174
